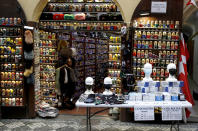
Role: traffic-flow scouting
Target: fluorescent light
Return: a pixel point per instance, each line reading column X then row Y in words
column 28, row 27
column 144, row 14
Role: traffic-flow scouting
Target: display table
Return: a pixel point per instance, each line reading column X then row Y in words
column 132, row 104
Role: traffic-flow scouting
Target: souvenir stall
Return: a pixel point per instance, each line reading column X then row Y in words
column 92, row 28
column 155, row 35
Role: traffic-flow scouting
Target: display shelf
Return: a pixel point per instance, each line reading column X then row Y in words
column 79, row 2
column 146, row 28
column 49, row 55
column 47, row 80
column 91, row 12
column 12, row 96
column 156, row 40
column 64, row 30
column 11, row 36
column 114, row 43
column 114, row 52
column 49, row 39
column 81, row 21
column 48, row 47
column 162, row 56
column 153, row 49
column 11, row 26
column 156, row 58
column 115, row 60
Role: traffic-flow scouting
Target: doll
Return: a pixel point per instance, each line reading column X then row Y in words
column 142, row 54
column 148, row 35
column 172, row 26
column 168, row 24
column 164, row 35
column 177, row 25
column 148, row 24
column 168, row 45
column 156, row 35
column 143, row 45
column 172, row 45
column 150, row 45
column 162, row 73
column 169, row 36
column 139, row 44
column 173, row 36
column 146, row 54
column 152, row 24
column 155, row 44
column 156, row 24
column 138, row 54
column 164, row 25
column 176, row 45
column 146, row 45
column 159, row 45
column 154, row 72
column 160, row 35
column 160, row 24
column 134, row 53
column 135, row 24
column 177, row 36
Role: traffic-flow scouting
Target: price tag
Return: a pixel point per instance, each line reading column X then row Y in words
column 171, row 113
column 143, row 113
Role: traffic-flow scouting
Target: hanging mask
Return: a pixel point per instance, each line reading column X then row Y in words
column 172, row 72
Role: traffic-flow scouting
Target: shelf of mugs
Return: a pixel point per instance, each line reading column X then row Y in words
column 157, row 24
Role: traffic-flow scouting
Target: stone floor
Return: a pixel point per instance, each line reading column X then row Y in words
column 78, row 123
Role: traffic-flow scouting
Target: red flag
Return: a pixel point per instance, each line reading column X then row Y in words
column 191, row 2
column 183, row 74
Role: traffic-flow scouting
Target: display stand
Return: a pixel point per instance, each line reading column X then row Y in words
column 12, row 68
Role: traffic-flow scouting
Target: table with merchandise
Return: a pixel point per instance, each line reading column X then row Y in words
column 144, row 104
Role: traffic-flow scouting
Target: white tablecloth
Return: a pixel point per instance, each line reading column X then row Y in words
column 130, row 104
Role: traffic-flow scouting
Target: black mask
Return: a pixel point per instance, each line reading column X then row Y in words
column 172, row 72
column 88, row 87
column 108, row 87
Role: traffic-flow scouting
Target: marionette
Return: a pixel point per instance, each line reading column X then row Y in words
column 148, row 35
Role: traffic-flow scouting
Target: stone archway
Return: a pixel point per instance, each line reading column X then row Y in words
column 34, row 8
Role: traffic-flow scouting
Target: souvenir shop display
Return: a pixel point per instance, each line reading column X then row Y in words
column 155, row 42
column 149, row 90
column 85, row 26
column 48, row 61
column 115, row 62
column 11, row 62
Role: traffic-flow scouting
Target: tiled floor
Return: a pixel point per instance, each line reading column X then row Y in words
column 78, row 123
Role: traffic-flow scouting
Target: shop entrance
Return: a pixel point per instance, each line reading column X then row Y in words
column 82, row 39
